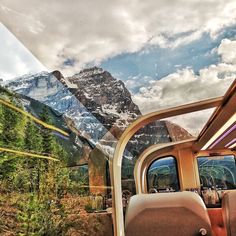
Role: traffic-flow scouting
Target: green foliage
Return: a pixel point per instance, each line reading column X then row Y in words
column 47, row 137
column 12, row 136
column 78, row 179
column 38, row 186
column 41, row 182
column 13, row 124
column 33, row 139
column 40, row 218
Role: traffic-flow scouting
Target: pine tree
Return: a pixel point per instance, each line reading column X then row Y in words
column 39, row 183
column 12, row 136
column 33, row 142
column 47, row 142
column 33, row 138
column 12, row 128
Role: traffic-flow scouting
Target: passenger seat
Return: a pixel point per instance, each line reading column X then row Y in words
column 174, row 214
column 229, row 212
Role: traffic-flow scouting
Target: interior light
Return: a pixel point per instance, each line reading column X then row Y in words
column 232, row 146
column 231, row 143
column 225, row 134
column 230, row 122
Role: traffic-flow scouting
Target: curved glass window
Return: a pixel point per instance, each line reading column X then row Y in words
column 217, row 172
column 59, row 129
column 162, row 175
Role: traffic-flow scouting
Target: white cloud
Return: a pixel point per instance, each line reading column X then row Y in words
column 192, row 122
column 135, row 82
column 15, row 58
column 90, row 31
column 227, row 51
column 185, row 86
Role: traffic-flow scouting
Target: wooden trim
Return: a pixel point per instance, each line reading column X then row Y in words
column 149, row 155
column 221, row 115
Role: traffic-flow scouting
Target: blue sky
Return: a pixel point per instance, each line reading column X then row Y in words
column 156, row 62
column 167, row 54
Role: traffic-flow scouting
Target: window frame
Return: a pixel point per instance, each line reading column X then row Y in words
column 176, row 167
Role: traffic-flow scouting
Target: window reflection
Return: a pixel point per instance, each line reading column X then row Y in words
column 217, row 172
column 162, row 175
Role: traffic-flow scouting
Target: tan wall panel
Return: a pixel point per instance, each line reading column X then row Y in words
column 188, row 169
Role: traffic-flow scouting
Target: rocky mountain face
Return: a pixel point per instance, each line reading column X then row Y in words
column 95, row 105
column 105, row 97
column 97, row 108
column 47, row 89
column 111, row 103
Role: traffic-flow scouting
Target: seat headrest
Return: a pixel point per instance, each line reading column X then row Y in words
column 181, row 213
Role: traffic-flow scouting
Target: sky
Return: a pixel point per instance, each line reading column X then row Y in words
column 15, row 58
column 166, row 52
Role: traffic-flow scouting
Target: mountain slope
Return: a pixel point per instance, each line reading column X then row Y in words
column 96, row 106
column 71, row 145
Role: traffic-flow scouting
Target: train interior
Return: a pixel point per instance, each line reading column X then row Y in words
column 184, row 187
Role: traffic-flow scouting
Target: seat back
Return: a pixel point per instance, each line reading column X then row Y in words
column 229, row 212
column 175, row 214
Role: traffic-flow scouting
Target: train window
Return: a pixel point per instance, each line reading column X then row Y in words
column 162, row 175
column 217, row 172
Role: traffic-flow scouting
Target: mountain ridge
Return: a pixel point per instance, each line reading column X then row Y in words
column 95, row 104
